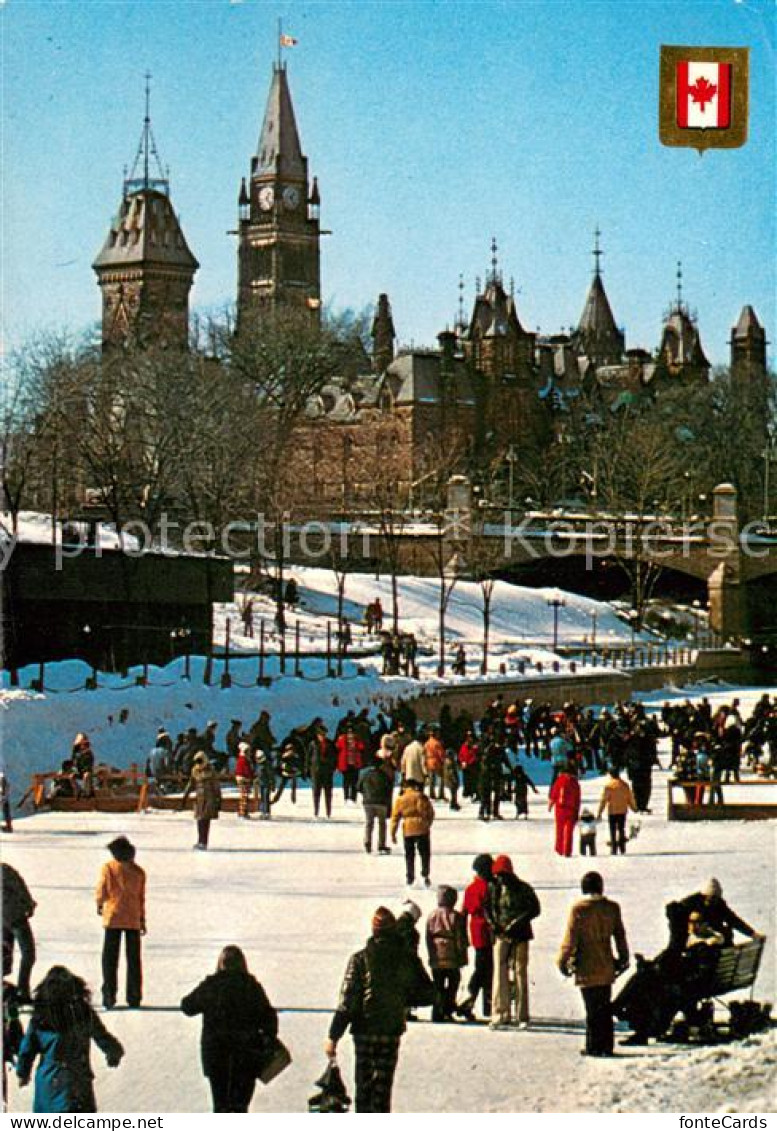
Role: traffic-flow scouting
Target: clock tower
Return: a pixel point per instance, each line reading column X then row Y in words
column 278, row 256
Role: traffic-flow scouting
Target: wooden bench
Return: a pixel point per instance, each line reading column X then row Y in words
column 737, row 968
column 696, row 808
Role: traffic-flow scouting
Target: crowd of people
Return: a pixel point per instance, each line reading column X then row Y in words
column 398, row 770
column 384, row 983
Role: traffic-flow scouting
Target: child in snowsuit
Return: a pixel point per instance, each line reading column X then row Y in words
column 446, row 941
column 587, row 833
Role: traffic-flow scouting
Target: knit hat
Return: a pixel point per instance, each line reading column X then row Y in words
column 483, row 866
column 243, row 748
column 501, row 865
column 412, row 909
column 382, row 921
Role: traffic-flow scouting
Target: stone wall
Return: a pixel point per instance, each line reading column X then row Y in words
column 585, row 687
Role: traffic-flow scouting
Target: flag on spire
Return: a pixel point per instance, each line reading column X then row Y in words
column 288, row 41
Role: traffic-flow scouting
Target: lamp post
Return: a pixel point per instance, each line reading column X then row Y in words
column 512, row 458
column 555, row 603
column 594, row 619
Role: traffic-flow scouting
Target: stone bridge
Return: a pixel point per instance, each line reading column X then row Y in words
column 738, row 565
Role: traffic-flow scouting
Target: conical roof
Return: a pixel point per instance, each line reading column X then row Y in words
column 279, row 150
column 597, row 317
column 145, row 232
column 748, row 323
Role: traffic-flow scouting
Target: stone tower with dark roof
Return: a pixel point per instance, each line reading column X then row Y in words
column 681, row 356
column 500, row 353
column 145, row 269
column 749, row 375
column 278, row 256
column 597, row 336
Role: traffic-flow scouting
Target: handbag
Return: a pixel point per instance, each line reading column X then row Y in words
column 276, row 1060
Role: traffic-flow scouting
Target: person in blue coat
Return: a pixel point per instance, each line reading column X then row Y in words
column 60, row 1033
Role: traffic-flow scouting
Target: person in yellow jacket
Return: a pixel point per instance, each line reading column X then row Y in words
column 617, row 799
column 416, row 813
column 121, row 902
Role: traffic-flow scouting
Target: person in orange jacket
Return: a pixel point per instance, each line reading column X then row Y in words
column 564, row 802
column 121, row 901
column 434, row 759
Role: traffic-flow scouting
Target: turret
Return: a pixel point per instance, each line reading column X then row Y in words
column 145, row 269
column 383, row 336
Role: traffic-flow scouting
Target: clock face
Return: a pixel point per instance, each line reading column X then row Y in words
column 266, row 198
column 290, row 197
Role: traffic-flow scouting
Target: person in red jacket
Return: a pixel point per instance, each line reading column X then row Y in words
column 564, row 802
column 350, row 751
column 476, row 908
column 468, row 757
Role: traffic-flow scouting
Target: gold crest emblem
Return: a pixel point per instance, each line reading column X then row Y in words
column 703, row 97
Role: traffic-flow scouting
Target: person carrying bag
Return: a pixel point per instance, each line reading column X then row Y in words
column 239, row 1032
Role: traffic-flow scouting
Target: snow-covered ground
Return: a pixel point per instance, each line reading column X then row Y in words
column 298, row 895
column 521, row 619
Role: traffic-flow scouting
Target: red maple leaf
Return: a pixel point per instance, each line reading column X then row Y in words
column 702, row 92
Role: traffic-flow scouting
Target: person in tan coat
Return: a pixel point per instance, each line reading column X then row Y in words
column 594, row 925
column 617, row 799
column 416, row 813
column 207, row 797
column 121, row 902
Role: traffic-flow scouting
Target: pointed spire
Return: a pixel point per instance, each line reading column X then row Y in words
column 679, row 305
column 383, row 335
column 140, row 174
column 279, row 150
column 598, row 336
column 598, row 253
column 461, row 321
column 494, row 274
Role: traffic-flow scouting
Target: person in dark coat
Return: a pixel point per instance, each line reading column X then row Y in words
column 376, row 785
column 260, row 735
column 522, row 783
column 207, row 797
column 382, row 981
column 60, row 1034
column 239, row 1027
column 18, row 907
column 321, row 765
column 514, row 904
column 716, row 913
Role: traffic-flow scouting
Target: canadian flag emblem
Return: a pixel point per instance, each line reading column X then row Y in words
column 703, row 95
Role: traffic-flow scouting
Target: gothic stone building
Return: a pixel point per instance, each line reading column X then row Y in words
column 488, row 387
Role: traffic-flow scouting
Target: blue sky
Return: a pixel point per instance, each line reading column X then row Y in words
column 432, row 127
